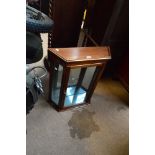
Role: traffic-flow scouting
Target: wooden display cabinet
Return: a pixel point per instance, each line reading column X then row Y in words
column 74, row 73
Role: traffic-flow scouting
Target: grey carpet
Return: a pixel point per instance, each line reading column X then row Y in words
column 100, row 128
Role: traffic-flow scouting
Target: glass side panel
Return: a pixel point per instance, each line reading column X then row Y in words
column 56, row 83
column 88, row 77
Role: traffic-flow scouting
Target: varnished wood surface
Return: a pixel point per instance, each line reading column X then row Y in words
column 77, row 57
column 82, row 53
column 67, row 17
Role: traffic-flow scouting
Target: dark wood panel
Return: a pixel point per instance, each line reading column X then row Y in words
column 102, row 12
column 67, row 17
column 123, row 71
column 121, row 29
column 118, row 41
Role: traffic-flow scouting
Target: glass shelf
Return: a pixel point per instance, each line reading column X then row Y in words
column 74, row 96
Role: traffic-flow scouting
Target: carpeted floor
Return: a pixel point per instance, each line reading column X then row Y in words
column 100, row 128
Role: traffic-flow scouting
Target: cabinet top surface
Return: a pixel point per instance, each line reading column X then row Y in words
column 82, row 53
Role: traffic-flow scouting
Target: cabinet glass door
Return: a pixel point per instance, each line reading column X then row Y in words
column 78, row 84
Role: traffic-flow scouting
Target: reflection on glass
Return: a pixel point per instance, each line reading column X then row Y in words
column 56, row 83
column 88, row 77
column 74, row 76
